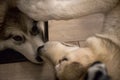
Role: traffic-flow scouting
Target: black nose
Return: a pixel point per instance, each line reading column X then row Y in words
column 39, row 59
column 39, row 48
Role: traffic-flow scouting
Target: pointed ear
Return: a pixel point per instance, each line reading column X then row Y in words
column 73, row 71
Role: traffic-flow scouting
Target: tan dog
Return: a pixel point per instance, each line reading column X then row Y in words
column 71, row 62
column 104, row 47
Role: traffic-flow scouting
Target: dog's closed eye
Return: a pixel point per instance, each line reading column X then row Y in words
column 63, row 59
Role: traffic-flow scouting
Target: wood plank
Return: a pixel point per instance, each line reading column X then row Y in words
column 76, row 29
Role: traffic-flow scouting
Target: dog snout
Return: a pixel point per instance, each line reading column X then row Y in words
column 39, row 59
column 39, row 48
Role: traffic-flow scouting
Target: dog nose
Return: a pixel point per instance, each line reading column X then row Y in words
column 39, row 48
column 39, row 59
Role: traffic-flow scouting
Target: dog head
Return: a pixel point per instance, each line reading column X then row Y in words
column 55, row 51
column 74, row 63
column 22, row 34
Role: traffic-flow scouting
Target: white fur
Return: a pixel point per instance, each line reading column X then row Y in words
column 64, row 9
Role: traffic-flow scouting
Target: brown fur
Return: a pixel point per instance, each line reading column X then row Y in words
column 72, row 71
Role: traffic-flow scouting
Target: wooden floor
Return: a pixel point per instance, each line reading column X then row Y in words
column 76, row 30
column 72, row 31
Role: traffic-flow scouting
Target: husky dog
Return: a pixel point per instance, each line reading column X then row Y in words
column 21, row 33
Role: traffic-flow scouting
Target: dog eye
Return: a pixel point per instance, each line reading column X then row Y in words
column 65, row 59
column 34, row 31
column 18, row 38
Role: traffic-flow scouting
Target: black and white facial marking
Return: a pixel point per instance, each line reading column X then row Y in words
column 97, row 71
column 34, row 31
column 17, row 39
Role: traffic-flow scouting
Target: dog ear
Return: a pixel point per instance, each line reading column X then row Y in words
column 73, row 71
